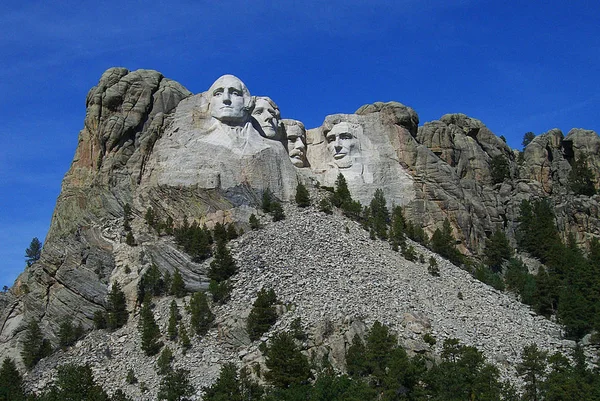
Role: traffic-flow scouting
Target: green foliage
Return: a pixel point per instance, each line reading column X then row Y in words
column 33, row 253
column 416, row 233
column 69, row 334
column 287, row 365
column 497, row 250
column 444, row 244
column 263, row 314
column 35, row 346
column 177, row 288
column 76, row 383
column 149, row 331
column 325, row 206
column 174, row 318
column 397, row 228
column 409, row 253
column 195, row 240
column 99, row 320
column 527, row 138
column 130, row 239
column 151, row 283
column 220, row 291
column 226, row 387
column 184, row 339
column 463, row 374
column 254, row 223
column 163, row 364
column 150, row 217
column 223, row 266
column 537, row 232
column 379, row 214
column 487, row 276
column 277, row 211
column 342, row 199
column 356, row 358
column 297, row 331
column 119, row 395
column 302, row 196
column 433, row 268
column 581, row 178
column 231, row 232
column 127, row 217
column 379, row 345
column 11, row 382
column 175, row 386
column 520, row 281
column 499, row 169
column 201, row 317
column 131, row 378
column 116, row 309
column 267, row 200
column 532, row 369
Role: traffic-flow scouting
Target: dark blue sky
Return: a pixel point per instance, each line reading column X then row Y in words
column 527, row 67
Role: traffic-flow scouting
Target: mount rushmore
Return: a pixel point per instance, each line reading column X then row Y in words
column 150, row 143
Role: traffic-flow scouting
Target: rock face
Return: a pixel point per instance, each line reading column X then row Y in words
column 148, row 142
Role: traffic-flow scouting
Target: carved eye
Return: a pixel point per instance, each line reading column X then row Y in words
column 218, row 92
column 346, row 135
column 236, row 92
column 257, row 111
column 330, row 138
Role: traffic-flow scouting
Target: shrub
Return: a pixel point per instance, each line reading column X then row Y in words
column 263, row 314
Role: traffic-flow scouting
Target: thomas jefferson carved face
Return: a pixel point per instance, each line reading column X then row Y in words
column 296, row 144
column 341, row 143
column 230, row 100
column 268, row 116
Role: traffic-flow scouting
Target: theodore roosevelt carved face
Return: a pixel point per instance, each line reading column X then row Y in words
column 230, row 100
column 342, row 144
column 296, row 142
column 268, row 117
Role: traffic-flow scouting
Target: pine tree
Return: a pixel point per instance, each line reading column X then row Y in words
column 302, row 196
column 443, row 243
column 223, row 266
column 127, row 217
column 267, row 199
column 35, row 346
column 581, row 178
column 231, row 232
column 379, row 214
column 33, row 253
column 149, row 331
column 184, row 339
column 201, row 317
column 11, row 382
column 174, row 318
column 277, row 211
column 499, row 169
column 69, row 334
column 253, row 221
column 356, row 358
column 497, row 250
column 263, row 314
column 175, row 386
column 287, row 365
column 527, row 138
column 341, row 194
column 397, row 228
column 226, row 387
column 163, row 364
column 116, row 310
column 76, row 382
column 177, row 285
column 379, row 345
column 532, row 369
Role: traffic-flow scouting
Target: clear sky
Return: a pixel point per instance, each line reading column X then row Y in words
column 516, row 66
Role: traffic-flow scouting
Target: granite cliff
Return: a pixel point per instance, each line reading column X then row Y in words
column 148, row 142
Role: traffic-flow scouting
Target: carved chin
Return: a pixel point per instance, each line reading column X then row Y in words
column 269, row 131
column 297, row 161
column 344, row 162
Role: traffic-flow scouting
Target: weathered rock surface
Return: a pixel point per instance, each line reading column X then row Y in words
column 338, row 283
column 148, row 142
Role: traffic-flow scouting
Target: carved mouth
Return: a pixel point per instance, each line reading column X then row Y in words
column 338, row 156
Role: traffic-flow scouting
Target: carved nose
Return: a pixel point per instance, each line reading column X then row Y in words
column 226, row 98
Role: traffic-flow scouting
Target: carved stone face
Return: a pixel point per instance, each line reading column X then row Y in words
column 268, row 116
column 341, row 143
column 296, row 144
column 229, row 100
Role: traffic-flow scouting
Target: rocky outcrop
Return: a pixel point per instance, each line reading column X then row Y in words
column 148, row 142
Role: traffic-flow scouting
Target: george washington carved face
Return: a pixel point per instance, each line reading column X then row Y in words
column 230, row 100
